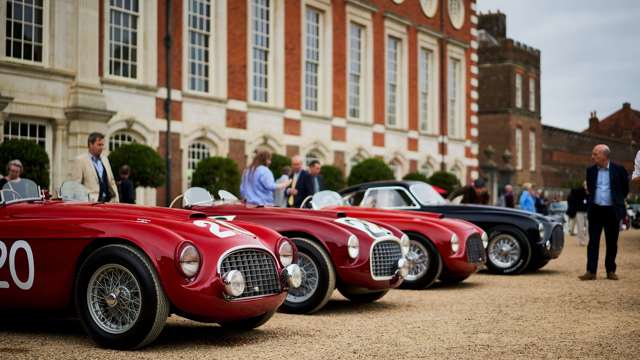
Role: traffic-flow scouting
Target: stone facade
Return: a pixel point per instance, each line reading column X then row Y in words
column 101, row 67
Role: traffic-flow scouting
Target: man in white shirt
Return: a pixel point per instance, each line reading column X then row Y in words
column 635, row 178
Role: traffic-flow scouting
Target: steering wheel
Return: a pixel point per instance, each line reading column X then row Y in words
column 307, row 201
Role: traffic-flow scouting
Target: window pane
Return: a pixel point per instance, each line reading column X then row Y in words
column 123, row 22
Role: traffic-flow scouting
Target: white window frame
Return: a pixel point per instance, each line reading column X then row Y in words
column 457, row 53
column 430, row 43
column 46, row 10
column 212, row 151
column 351, row 64
column 532, row 150
column 363, row 18
column 312, row 102
column 518, row 147
column 518, row 87
column 532, row 94
column 325, row 69
column 140, row 49
column 135, row 138
column 398, row 31
column 217, row 51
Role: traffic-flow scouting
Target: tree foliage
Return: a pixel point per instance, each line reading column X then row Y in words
column 277, row 163
column 217, row 173
column 148, row 168
column 371, row 169
column 415, row 176
column 333, row 177
column 34, row 158
column 444, row 180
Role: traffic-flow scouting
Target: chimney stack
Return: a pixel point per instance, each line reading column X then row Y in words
column 495, row 24
column 593, row 122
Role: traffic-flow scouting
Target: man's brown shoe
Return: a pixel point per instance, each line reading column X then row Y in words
column 587, row 276
column 612, row 276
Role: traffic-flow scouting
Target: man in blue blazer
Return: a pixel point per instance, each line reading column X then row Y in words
column 607, row 187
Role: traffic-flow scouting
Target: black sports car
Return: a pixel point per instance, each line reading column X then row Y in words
column 518, row 240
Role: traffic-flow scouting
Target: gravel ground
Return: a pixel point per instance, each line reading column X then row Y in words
column 548, row 314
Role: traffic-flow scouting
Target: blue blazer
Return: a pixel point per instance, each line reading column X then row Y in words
column 619, row 181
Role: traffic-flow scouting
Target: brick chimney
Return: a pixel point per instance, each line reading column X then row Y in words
column 626, row 106
column 494, row 23
column 593, row 122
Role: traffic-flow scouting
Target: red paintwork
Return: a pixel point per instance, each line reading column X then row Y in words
column 58, row 234
column 355, row 273
column 433, row 226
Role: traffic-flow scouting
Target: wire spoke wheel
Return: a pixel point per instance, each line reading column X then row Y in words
column 114, row 298
column 504, row 251
column 310, row 279
column 420, row 257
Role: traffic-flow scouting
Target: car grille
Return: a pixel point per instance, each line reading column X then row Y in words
column 258, row 268
column 557, row 239
column 475, row 249
column 384, row 258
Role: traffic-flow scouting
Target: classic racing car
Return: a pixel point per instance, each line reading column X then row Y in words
column 126, row 268
column 362, row 259
column 518, row 240
column 446, row 249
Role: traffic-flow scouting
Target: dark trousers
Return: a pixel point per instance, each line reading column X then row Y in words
column 602, row 217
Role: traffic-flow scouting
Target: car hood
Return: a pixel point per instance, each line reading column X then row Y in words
column 469, row 208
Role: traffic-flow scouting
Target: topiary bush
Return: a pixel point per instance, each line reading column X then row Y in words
column 217, row 173
column 277, row 163
column 148, row 168
column 333, row 177
column 444, row 180
column 371, row 169
column 34, row 158
column 415, row 176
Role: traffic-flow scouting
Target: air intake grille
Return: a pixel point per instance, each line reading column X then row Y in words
column 258, row 268
column 475, row 249
column 557, row 239
column 384, row 259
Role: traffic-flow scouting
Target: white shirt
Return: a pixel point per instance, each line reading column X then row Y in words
column 636, row 170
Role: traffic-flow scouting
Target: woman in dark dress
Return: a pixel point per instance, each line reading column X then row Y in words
column 125, row 186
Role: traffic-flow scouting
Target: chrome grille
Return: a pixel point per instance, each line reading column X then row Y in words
column 258, row 268
column 475, row 249
column 384, row 258
column 557, row 239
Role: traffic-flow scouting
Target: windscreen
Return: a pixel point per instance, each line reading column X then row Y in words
column 426, row 194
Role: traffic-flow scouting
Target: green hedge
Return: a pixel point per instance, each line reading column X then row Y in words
column 415, row 176
column 333, row 177
column 34, row 158
column 217, row 173
column 148, row 168
column 371, row 169
column 444, row 180
column 277, row 163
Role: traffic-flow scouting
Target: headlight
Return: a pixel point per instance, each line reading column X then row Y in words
column 485, row 239
column 541, row 230
column 353, row 246
column 285, row 253
column 405, row 243
column 189, row 261
column 234, row 283
column 455, row 244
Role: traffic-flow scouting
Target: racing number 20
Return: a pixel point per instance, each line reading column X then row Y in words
column 11, row 255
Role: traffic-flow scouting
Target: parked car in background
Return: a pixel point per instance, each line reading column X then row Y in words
column 557, row 211
column 125, row 268
column 518, row 240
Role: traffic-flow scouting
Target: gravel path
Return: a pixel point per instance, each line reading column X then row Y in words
column 548, row 314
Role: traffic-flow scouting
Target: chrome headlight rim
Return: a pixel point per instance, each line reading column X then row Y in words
column 485, row 239
column 189, row 260
column 353, row 246
column 234, row 283
column 285, row 252
column 405, row 244
column 455, row 243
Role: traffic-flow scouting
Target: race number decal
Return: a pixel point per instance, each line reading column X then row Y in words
column 214, row 228
column 11, row 255
column 369, row 228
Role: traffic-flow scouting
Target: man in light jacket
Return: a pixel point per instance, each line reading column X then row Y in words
column 94, row 171
column 527, row 202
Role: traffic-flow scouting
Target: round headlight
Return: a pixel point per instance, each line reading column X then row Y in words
column 234, row 283
column 485, row 239
column 189, row 261
column 285, row 252
column 405, row 243
column 541, row 230
column 455, row 244
column 353, row 246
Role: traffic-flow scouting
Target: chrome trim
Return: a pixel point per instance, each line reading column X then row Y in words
column 373, row 244
column 240, row 247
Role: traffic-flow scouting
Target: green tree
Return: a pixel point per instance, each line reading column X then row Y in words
column 148, row 168
column 277, row 163
column 217, row 173
column 34, row 158
column 371, row 169
column 415, row 176
column 444, row 180
column 333, row 177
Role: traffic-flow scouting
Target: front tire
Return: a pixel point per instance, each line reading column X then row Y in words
column 119, row 298
column 363, row 298
column 427, row 266
column 318, row 282
column 248, row 324
column 508, row 252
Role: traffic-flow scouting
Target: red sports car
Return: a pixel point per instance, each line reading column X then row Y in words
column 362, row 259
column 446, row 249
column 126, row 268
